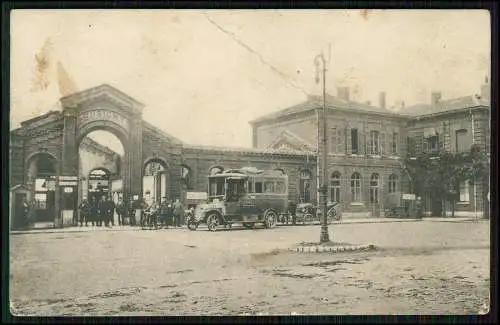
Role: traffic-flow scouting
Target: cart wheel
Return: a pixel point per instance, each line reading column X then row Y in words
column 307, row 219
column 270, row 219
column 213, row 221
column 192, row 225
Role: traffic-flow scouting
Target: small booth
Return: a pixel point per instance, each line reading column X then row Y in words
column 18, row 218
column 68, row 187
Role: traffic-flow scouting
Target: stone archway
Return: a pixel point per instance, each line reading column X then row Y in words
column 104, row 108
column 41, row 179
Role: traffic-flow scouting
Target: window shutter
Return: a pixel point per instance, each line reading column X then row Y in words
column 383, row 144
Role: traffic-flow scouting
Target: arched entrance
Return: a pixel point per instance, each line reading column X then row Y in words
column 100, row 166
column 42, row 173
column 99, row 184
column 155, row 182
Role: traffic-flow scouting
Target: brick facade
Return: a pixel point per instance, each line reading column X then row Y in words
column 287, row 140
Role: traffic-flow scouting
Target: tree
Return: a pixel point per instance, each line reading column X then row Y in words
column 443, row 172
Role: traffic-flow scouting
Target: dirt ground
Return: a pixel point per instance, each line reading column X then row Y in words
column 418, row 268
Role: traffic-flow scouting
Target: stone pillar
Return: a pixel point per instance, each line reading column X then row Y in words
column 69, row 159
column 132, row 167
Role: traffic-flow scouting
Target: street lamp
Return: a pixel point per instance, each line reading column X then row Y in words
column 323, row 189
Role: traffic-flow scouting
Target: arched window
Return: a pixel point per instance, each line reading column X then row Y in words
column 335, row 187
column 153, row 167
column 393, row 183
column 356, row 187
column 155, row 180
column 186, row 176
column 305, row 185
column 216, row 170
column 374, row 186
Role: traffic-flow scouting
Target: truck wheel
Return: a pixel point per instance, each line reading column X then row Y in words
column 213, row 221
column 270, row 219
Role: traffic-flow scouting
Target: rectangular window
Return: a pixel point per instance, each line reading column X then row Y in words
column 258, row 187
column 250, row 187
column 464, row 191
column 333, row 140
column 394, row 146
column 432, row 143
column 269, row 187
column 336, row 145
column 374, row 148
column 463, row 141
column 354, row 141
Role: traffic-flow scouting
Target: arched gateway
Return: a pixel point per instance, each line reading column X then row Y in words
column 58, row 135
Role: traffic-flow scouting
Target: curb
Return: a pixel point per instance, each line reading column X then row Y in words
column 68, row 230
column 330, row 249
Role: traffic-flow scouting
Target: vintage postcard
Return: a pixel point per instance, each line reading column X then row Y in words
column 249, row 162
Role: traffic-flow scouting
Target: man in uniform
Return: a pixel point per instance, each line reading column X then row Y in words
column 163, row 212
column 103, row 213
column 84, row 212
column 110, row 212
column 94, row 211
column 121, row 211
column 178, row 212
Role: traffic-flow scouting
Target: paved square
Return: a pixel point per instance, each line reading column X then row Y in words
column 420, row 267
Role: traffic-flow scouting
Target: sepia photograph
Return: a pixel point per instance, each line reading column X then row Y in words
column 249, row 162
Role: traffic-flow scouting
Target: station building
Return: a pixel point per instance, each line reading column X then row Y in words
column 53, row 158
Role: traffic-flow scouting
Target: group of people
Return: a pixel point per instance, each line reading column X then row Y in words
column 136, row 212
column 97, row 212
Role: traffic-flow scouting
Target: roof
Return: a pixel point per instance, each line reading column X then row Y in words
column 39, row 118
column 332, row 102
column 150, row 127
column 251, row 150
column 446, row 105
column 93, row 92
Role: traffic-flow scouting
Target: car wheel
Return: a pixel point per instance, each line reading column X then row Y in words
column 270, row 219
column 213, row 221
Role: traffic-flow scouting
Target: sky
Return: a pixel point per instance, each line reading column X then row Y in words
column 203, row 75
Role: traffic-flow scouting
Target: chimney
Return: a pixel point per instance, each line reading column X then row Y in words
column 382, row 99
column 486, row 90
column 435, row 98
column 368, row 102
column 403, row 104
column 343, row 93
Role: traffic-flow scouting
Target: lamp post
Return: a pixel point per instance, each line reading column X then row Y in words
column 323, row 189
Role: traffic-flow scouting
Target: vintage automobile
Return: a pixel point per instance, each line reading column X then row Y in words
column 307, row 213
column 247, row 195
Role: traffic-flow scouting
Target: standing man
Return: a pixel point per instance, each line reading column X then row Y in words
column 163, row 212
column 84, row 212
column 94, row 211
column 121, row 211
column 110, row 211
column 102, row 215
column 131, row 211
column 178, row 211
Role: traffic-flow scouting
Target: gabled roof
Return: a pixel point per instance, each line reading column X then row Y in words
column 294, row 140
column 104, row 89
column 332, row 102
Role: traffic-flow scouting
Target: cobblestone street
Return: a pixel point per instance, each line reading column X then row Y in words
column 419, row 267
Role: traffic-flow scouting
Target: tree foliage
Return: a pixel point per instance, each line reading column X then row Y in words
column 444, row 171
